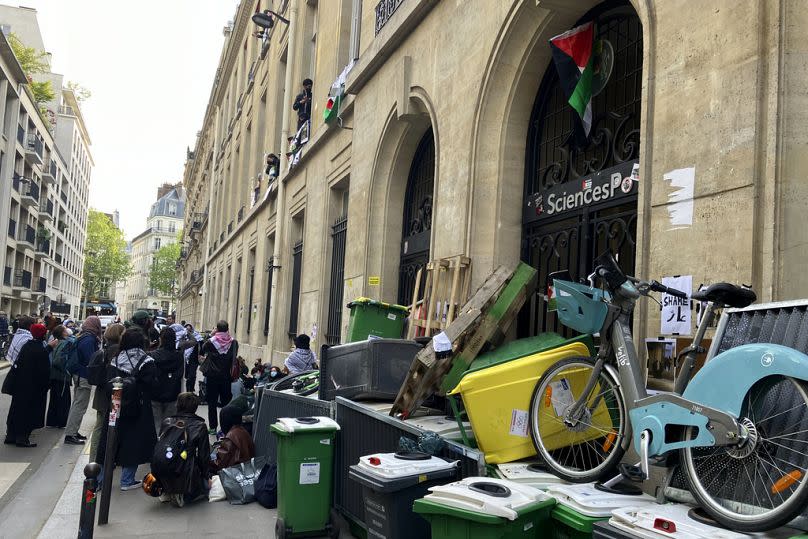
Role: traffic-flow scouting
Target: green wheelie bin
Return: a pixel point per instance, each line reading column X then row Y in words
column 305, row 476
column 371, row 318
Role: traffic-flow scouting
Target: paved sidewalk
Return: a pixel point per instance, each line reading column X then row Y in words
column 133, row 514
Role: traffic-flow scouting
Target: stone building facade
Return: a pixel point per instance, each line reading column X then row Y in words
column 163, row 227
column 454, row 138
column 46, row 165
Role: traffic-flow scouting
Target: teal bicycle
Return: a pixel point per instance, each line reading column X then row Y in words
column 739, row 425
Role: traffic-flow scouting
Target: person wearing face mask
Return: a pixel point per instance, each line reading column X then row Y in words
column 275, row 373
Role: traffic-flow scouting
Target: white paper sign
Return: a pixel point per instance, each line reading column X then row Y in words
column 519, row 423
column 561, row 396
column 441, row 343
column 676, row 311
column 309, row 473
column 680, row 200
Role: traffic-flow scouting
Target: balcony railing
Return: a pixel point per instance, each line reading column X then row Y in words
column 29, row 188
column 22, row 279
column 21, row 135
column 63, row 196
column 43, row 246
column 12, row 228
column 35, row 145
column 68, row 111
column 7, row 276
column 46, row 206
column 61, row 226
column 58, row 258
column 28, row 235
column 52, row 168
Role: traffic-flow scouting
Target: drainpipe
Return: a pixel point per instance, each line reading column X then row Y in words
column 291, row 57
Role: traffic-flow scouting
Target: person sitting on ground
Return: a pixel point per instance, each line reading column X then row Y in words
column 21, row 336
column 237, row 446
column 192, row 483
column 302, row 358
column 29, row 389
column 258, row 369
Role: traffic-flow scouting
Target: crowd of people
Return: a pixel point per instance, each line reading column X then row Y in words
column 57, row 371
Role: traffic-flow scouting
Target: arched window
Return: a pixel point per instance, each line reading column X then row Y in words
column 417, row 224
column 577, row 201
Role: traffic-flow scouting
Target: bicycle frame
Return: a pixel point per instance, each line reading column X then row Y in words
column 714, row 426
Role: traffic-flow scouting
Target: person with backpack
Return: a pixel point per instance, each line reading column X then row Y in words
column 99, row 372
column 76, row 362
column 220, row 354
column 135, row 424
column 60, row 380
column 183, row 478
column 170, row 367
column 27, row 383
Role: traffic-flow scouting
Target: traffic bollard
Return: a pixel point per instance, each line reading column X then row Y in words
column 109, row 453
column 87, row 515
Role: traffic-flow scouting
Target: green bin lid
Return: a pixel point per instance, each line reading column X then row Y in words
column 286, row 426
column 573, row 519
column 380, row 304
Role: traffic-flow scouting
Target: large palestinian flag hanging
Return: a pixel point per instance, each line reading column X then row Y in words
column 574, row 58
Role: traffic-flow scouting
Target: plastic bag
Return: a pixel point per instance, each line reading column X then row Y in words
column 216, row 493
column 266, row 487
column 239, row 481
column 428, row 442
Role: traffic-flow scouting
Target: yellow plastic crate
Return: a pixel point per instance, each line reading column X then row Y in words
column 497, row 400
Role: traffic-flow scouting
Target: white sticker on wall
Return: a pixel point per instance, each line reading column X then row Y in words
column 309, row 473
column 519, row 423
column 680, row 200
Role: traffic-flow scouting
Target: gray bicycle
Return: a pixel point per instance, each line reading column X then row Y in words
column 739, row 424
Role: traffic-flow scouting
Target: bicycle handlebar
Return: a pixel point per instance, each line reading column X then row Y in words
column 656, row 286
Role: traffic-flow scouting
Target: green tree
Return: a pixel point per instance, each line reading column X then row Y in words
column 33, row 62
column 105, row 258
column 163, row 273
column 82, row 94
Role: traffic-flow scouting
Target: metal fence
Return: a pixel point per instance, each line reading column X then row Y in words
column 338, row 237
column 294, row 302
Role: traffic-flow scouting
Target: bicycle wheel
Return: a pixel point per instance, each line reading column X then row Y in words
column 761, row 483
column 587, row 449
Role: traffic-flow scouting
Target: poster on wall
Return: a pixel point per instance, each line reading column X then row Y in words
column 676, row 316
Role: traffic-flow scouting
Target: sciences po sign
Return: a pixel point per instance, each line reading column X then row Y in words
column 573, row 196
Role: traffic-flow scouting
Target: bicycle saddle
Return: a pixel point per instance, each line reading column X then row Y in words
column 726, row 294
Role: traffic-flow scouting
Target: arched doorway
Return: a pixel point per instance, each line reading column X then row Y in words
column 417, row 221
column 577, row 202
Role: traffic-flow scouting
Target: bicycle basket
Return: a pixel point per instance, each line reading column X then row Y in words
column 580, row 307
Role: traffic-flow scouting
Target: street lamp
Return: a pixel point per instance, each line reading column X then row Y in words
column 264, row 19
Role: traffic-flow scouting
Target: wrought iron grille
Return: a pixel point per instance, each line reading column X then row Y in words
column 571, row 240
column 338, row 236
column 552, row 155
column 237, row 302
column 294, row 305
column 417, row 224
column 270, row 270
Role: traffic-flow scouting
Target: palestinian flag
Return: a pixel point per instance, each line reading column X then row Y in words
column 574, row 58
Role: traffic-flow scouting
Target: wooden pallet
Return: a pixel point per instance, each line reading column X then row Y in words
column 483, row 319
column 446, row 287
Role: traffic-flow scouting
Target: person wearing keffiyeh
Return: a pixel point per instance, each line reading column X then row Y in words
column 21, row 336
column 220, row 350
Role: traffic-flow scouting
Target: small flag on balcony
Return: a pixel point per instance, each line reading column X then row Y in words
column 331, row 110
column 574, row 59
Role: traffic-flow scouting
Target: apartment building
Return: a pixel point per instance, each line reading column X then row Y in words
column 453, row 136
column 49, row 183
column 163, row 226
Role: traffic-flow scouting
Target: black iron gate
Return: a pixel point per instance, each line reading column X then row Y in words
column 268, row 303
column 250, row 300
column 417, row 224
column 294, row 305
column 338, row 237
column 580, row 198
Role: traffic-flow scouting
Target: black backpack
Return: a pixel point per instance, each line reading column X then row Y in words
column 266, row 486
column 172, row 455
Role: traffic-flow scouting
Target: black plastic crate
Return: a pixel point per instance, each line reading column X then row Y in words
column 276, row 404
column 365, row 370
column 364, row 431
